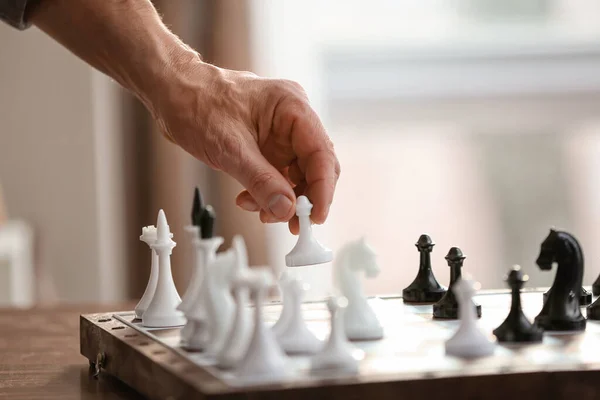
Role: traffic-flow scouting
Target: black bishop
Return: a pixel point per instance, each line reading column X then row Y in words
column 203, row 216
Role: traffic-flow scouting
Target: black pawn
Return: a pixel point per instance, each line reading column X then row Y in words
column 425, row 288
column 516, row 328
column 585, row 297
column 596, row 286
column 203, row 216
column 447, row 307
column 593, row 311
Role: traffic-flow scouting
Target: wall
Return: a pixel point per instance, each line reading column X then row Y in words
column 426, row 92
column 57, row 153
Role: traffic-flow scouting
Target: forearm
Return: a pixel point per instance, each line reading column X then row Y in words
column 125, row 39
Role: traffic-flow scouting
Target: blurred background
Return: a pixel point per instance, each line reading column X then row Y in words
column 474, row 121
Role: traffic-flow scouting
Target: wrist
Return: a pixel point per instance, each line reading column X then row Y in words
column 184, row 82
column 165, row 64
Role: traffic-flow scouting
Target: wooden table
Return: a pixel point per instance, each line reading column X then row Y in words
column 40, row 357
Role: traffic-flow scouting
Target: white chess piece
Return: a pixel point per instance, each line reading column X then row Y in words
column 286, row 307
column 206, row 250
column 239, row 337
column 213, row 320
column 468, row 341
column 360, row 321
column 148, row 236
column 264, row 358
column 337, row 353
column 161, row 311
column 308, row 251
column 196, row 278
column 296, row 338
column 220, row 305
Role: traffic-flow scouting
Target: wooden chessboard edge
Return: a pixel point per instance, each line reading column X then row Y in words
column 150, row 368
column 137, row 367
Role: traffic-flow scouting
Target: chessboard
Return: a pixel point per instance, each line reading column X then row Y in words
column 409, row 362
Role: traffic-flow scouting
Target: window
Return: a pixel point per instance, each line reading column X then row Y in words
column 477, row 122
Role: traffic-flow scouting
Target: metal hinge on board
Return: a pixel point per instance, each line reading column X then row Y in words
column 100, row 359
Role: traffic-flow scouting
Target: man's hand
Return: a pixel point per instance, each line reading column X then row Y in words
column 260, row 131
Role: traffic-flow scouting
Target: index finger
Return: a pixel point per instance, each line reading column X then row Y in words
column 318, row 162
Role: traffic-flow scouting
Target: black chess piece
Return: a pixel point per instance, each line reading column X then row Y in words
column 203, row 216
column 596, row 286
column 561, row 310
column 516, row 328
column 197, row 207
column 207, row 222
column 585, row 297
column 447, row 307
column 425, row 288
column 593, row 310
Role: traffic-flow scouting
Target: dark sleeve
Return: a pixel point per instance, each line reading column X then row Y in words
column 14, row 12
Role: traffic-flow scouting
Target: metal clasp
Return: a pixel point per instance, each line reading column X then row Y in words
column 99, row 364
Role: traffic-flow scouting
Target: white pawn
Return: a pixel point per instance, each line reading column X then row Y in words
column 148, row 236
column 161, row 311
column 337, row 353
column 286, row 308
column 296, row 338
column 264, row 358
column 195, row 313
column 308, row 251
column 468, row 341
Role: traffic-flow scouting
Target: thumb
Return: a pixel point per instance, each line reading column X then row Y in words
column 267, row 186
